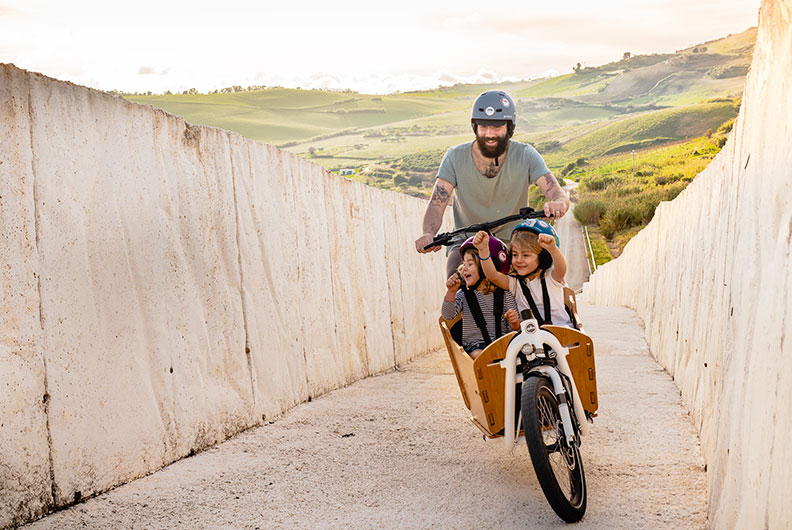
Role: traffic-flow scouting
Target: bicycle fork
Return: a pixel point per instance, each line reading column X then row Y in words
column 531, row 340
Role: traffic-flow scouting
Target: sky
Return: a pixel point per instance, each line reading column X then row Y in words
column 369, row 47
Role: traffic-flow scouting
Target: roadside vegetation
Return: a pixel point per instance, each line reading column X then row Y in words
column 618, row 194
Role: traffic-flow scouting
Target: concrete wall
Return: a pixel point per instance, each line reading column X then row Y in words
column 165, row 286
column 711, row 278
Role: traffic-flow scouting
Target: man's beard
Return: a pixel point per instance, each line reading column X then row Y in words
column 494, row 152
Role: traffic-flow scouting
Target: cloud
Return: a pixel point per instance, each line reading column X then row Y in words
column 6, row 11
column 150, row 70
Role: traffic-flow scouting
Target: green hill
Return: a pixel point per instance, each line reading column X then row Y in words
column 633, row 103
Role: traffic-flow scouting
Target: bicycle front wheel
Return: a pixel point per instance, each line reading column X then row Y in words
column 557, row 465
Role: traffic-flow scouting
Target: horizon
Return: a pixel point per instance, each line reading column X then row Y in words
column 176, row 46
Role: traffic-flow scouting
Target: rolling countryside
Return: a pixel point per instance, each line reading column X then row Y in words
column 593, row 119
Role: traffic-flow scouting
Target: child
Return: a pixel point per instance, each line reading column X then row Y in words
column 539, row 268
column 480, row 299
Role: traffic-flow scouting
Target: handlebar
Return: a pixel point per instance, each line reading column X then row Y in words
column 449, row 238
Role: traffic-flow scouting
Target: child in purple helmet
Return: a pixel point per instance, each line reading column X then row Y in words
column 539, row 269
column 487, row 311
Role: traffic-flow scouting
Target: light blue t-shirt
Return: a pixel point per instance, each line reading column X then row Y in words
column 477, row 198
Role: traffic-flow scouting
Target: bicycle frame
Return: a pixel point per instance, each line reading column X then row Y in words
column 532, row 339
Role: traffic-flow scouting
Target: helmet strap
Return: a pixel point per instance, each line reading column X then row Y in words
column 472, row 287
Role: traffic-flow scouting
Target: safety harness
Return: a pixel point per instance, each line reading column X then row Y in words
column 532, row 304
column 545, row 302
column 478, row 316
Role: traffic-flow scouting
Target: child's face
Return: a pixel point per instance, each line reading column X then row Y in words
column 524, row 261
column 469, row 269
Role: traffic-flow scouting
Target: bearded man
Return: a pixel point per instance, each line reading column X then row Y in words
column 491, row 176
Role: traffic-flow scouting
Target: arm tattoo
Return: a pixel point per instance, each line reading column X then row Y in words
column 553, row 191
column 439, row 196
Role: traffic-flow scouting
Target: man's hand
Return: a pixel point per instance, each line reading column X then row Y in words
column 481, row 242
column 513, row 318
column 555, row 209
column 433, row 218
column 557, row 199
column 424, row 240
column 547, row 242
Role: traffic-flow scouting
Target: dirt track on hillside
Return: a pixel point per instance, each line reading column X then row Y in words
column 397, row 451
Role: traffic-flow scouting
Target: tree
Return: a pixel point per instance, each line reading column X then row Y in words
column 626, row 55
column 577, row 68
column 312, row 151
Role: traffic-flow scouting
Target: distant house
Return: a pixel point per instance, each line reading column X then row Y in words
column 346, row 172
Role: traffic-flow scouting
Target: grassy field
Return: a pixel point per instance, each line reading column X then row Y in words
column 618, row 194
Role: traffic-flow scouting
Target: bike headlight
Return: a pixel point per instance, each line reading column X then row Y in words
column 529, row 351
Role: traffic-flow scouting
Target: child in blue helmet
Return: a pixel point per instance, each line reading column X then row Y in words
column 487, row 311
column 538, row 269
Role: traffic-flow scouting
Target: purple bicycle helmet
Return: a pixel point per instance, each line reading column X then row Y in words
column 499, row 252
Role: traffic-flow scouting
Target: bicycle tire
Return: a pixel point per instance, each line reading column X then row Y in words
column 558, row 467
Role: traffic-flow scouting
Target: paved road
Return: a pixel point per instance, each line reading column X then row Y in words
column 397, row 451
column 570, row 232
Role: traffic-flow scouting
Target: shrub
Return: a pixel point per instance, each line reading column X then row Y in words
column 598, row 182
column 726, row 127
column 589, row 211
column 625, row 190
column 567, row 168
column 546, row 147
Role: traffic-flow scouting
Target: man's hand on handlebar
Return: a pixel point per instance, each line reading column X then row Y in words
column 555, row 209
column 423, row 241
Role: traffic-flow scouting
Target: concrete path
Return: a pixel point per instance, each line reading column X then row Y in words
column 570, row 232
column 397, row 451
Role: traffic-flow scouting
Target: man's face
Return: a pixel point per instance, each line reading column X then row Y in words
column 492, row 140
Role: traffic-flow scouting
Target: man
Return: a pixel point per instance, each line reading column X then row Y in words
column 491, row 176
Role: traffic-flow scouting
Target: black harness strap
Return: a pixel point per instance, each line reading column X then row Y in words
column 478, row 315
column 534, row 308
column 498, row 312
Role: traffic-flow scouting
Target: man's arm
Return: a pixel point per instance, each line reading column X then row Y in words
column 433, row 218
column 557, row 199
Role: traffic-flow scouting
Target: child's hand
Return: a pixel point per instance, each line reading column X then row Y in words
column 481, row 241
column 453, row 283
column 547, row 242
column 513, row 318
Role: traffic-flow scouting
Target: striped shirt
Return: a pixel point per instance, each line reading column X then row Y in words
column 471, row 334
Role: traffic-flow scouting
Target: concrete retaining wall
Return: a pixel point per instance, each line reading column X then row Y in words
column 165, row 286
column 711, row 278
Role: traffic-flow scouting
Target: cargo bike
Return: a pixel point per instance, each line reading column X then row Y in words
column 538, row 383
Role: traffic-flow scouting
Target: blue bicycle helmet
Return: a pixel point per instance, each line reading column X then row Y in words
column 538, row 226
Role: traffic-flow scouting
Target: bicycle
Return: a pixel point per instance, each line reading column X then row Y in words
column 554, row 368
